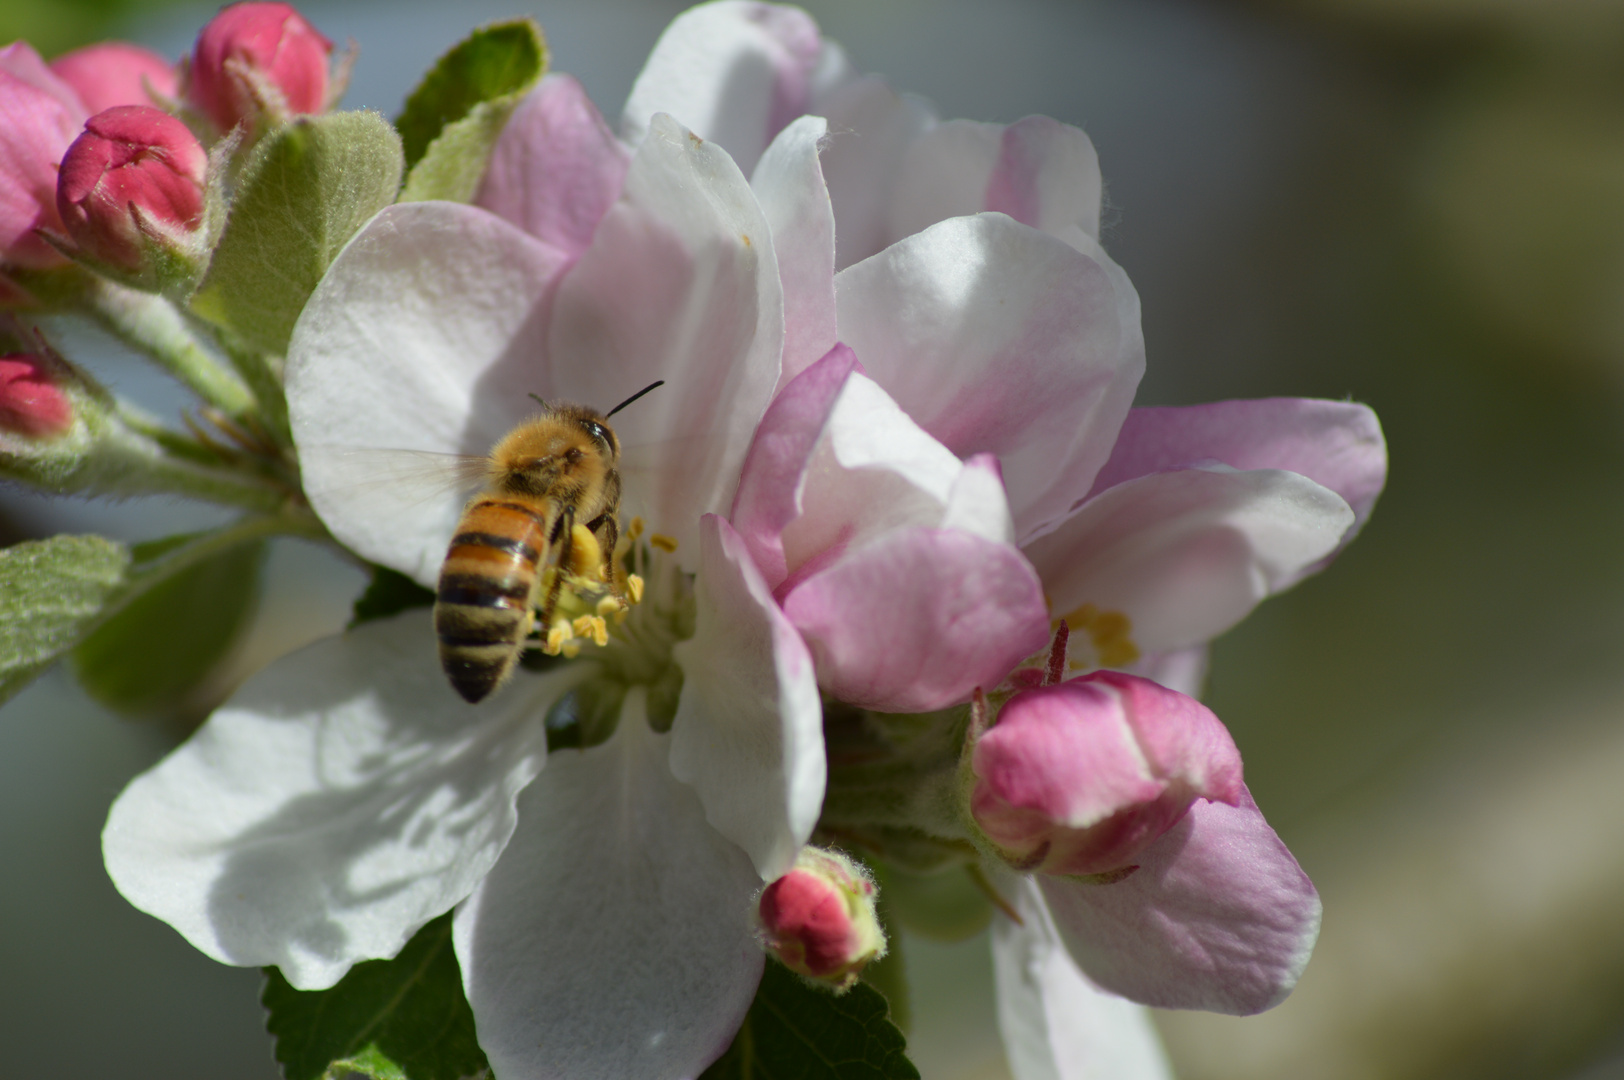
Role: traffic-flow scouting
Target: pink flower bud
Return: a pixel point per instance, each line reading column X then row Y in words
column 1079, row 777
column 819, row 919
column 41, row 116
column 30, row 401
column 134, row 178
column 115, row 73
column 254, row 58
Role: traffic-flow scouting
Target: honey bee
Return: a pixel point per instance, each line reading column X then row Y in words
column 550, row 474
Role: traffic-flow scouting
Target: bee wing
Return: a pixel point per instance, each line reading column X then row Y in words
column 412, row 477
column 393, row 507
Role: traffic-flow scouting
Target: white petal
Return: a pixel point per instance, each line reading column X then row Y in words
column 614, row 939
column 1186, row 553
column 997, row 338
column 342, row 798
column 943, row 174
column 789, row 183
column 748, row 734
column 423, row 335
column 1057, row 1025
column 736, row 72
column 680, row 284
column 870, row 130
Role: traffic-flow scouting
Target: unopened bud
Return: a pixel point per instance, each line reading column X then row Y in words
column 819, row 919
column 115, row 73
column 257, row 59
column 31, row 402
column 1079, row 777
column 131, row 189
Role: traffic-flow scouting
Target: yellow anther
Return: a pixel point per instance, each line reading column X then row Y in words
column 586, row 554
column 582, row 626
column 1111, row 633
column 665, row 543
column 599, row 631
column 572, row 648
column 608, row 605
column 634, row 529
column 634, row 588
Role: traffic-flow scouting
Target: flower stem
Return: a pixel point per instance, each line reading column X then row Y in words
column 152, row 326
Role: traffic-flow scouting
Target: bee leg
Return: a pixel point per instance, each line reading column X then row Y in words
column 563, row 536
column 607, row 529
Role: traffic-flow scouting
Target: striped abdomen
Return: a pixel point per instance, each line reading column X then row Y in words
column 482, row 612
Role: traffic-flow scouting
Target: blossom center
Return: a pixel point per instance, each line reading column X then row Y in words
column 634, row 639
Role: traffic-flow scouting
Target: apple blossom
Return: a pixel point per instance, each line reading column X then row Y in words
column 1011, row 333
column 258, row 59
column 621, row 877
column 895, row 440
column 132, row 185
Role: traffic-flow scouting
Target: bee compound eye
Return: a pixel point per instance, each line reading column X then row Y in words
column 600, row 433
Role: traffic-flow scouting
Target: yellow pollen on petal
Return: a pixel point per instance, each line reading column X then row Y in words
column 667, row 544
column 1109, row 631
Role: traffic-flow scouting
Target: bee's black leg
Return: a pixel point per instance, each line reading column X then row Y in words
column 563, row 539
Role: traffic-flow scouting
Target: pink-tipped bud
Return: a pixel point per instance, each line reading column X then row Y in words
column 115, row 73
column 133, row 180
column 31, row 402
column 819, row 919
column 258, row 58
column 1079, row 777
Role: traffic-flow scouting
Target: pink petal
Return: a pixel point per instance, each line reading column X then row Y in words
column 115, row 73
column 1218, row 916
column 770, row 486
column 20, row 61
column 1337, row 444
column 748, row 734
column 42, row 116
column 917, row 620
column 1039, row 171
column 1056, row 1024
column 788, row 182
column 557, row 168
column 735, row 72
column 1047, row 176
column 997, row 338
column 1186, row 554
column 680, row 284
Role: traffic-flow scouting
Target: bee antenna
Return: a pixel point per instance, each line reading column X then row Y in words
column 540, row 402
column 634, row 397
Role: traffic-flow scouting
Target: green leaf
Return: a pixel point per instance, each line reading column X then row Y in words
column 166, row 641
column 400, row 1019
column 388, row 593
column 453, row 119
column 795, row 1032
column 51, row 592
column 305, row 191
column 501, row 60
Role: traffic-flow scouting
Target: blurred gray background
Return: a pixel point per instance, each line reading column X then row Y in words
column 1418, row 204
